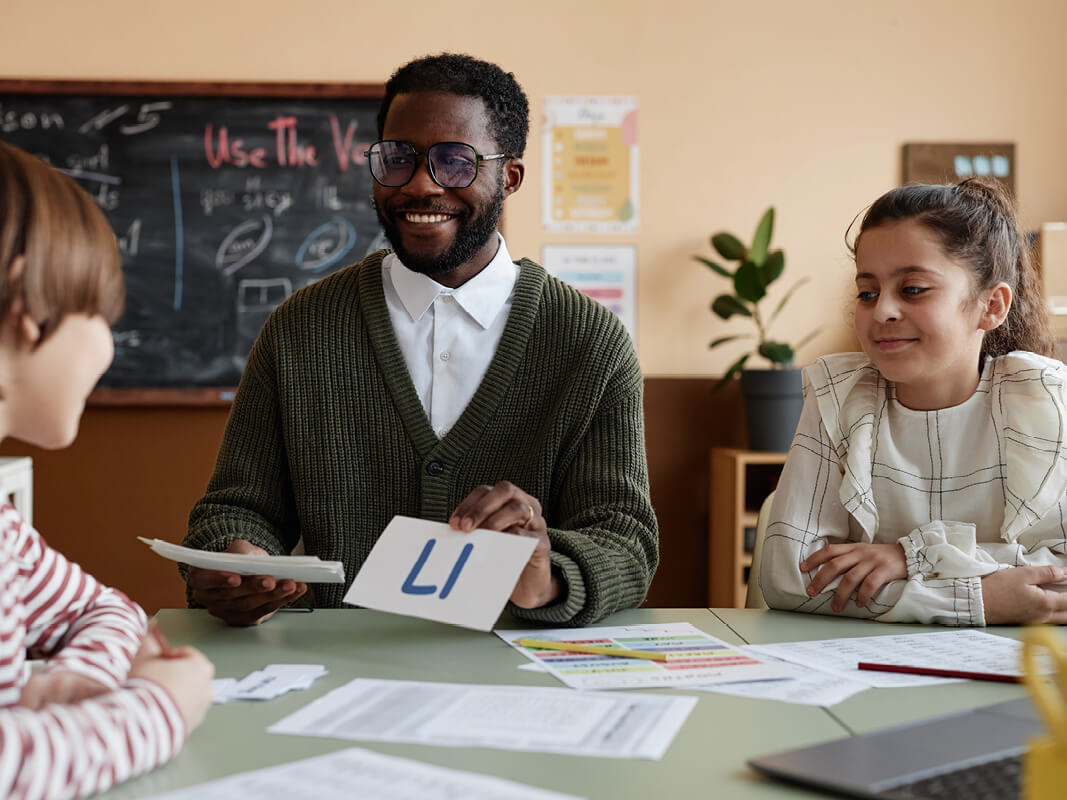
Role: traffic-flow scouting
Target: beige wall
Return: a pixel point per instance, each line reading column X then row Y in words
column 802, row 104
column 798, row 103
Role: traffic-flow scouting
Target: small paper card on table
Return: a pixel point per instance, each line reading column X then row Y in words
column 310, row 569
column 426, row 569
column 272, row 681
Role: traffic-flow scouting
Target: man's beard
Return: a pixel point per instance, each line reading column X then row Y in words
column 471, row 236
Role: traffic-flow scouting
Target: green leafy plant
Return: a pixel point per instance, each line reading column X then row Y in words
column 758, row 267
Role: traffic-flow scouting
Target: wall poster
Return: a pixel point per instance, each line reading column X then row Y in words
column 607, row 273
column 590, row 179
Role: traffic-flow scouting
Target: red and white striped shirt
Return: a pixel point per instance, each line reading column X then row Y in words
column 50, row 608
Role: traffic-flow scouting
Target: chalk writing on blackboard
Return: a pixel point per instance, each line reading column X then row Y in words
column 224, row 200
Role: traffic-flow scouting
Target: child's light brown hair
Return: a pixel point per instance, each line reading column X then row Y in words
column 71, row 262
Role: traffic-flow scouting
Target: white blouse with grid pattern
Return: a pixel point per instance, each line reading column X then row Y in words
column 966, row 490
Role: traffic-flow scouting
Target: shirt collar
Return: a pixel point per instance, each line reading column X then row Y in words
column 482, row 297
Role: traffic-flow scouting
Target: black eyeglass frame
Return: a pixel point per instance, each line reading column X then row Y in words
column 478, row 159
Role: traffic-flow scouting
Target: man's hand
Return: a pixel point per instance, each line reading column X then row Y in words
column 864, row 569
column 1015, row 596
column 507, row 508
column 242, row 599
column 58, row 686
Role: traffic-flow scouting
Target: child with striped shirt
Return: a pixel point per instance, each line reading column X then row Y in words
column 110, row 701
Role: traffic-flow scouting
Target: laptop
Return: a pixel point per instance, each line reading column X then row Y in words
column 973, row 754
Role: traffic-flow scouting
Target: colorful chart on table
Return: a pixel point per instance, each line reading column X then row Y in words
column 694, row 658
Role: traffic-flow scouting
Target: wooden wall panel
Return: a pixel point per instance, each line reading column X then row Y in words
column 131, row 472
column 683, row 420
column 137, row 471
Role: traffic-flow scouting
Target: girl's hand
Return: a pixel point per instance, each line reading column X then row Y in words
column 864, row 569
column 1016, row 596
column 184, row 672
column 58, row 686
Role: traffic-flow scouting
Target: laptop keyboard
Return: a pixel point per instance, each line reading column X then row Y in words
column 993, row 780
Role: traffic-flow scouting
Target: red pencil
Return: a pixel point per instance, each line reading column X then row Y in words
column 165, row 650
column 940, row 673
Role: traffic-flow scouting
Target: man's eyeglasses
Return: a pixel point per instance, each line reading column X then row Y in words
column 453, row 165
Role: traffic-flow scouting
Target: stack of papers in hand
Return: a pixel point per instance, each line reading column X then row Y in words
column 267, row 683
column 310, row 569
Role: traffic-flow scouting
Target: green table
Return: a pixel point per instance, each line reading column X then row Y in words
column 707, row 759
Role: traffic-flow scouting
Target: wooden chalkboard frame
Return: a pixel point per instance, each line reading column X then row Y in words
column 199, row 396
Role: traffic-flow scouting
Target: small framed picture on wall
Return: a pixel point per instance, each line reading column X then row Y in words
column 949, row 163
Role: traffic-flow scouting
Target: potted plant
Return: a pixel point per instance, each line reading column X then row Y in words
column 773, row 397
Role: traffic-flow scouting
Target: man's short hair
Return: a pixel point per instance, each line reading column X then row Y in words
column 505, row 102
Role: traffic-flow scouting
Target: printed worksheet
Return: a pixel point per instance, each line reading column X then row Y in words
column 804, row 686
column 525, row 718
column 966, row 649
column 693, row 658
column 361, row 773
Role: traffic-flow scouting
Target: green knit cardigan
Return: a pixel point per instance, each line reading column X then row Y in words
column 327, row 438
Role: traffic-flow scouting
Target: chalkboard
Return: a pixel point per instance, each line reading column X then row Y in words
column 224, row 199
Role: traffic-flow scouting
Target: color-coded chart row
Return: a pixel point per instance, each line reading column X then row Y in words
column 687, row 656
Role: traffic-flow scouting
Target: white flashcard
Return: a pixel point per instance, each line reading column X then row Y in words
column 426, row 569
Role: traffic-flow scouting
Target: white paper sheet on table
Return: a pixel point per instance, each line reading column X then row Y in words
column 967, row 649
column 803, row 686
column 523, row 718
column 695, row 658
column 310, row 569
column 355, row 772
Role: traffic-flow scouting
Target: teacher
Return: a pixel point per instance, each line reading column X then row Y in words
column 440, row 380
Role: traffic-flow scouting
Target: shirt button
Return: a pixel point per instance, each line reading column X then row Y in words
column 445, row 355
column 441, row 434
column 435, row 468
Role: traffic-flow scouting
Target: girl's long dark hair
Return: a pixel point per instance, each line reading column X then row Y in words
column 977, row 224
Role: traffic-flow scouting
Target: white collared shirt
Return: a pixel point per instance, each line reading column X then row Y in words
column 448, row 336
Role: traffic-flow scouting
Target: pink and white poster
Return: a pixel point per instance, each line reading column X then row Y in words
column 607, row 273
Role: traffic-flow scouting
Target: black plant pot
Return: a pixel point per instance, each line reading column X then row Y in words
column 773, row 401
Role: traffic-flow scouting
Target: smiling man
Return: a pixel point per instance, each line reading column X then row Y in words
column 442, row 380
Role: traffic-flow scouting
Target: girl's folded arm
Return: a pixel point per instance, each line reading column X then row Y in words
column 805, row 516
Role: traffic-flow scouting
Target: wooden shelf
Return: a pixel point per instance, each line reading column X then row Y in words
column 740, row 480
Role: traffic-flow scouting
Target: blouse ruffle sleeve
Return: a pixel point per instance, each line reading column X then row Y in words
column 1029, row 413
column 848, row 390
column 1028, row 409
